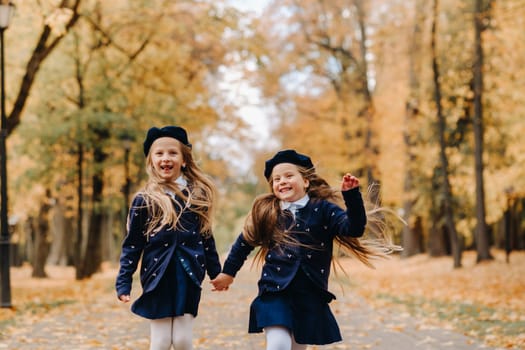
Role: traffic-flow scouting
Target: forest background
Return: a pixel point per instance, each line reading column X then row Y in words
column 421, row 99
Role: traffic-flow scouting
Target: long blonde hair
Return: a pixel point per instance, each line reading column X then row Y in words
column 263, row 228
column 199, row 197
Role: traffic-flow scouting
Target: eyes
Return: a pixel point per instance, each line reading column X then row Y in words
column 285, row 176
column 160, row 153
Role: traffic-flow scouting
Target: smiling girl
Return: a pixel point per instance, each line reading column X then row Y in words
column 169, row 226
column 295, row 227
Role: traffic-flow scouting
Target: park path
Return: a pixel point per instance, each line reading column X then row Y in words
column 104, row 323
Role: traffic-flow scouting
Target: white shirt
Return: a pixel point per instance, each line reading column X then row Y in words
column 293, row 206
column 181, row 182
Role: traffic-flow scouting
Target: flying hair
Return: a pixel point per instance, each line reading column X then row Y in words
column 262, row 227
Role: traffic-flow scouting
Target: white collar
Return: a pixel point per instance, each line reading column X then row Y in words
column 298, row 204
column 181, row 182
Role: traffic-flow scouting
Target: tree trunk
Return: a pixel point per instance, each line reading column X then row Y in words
column 78, row 255
column 368, row 110
column 411, row 237
column 42, row 242
column 93, row 253
column 57, row 253
column 69, row 229
column 445, row 186
column 45, row 45
column 482, row 239
column 81, row 102
column 108, row 242
column 438, row 240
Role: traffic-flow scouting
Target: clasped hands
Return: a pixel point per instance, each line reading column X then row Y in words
column 221, row 282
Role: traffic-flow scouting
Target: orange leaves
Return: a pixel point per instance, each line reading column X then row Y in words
column 481, row 300
column 403, row 304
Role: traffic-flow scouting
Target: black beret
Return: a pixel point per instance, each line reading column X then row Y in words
column 287, row 156
column 175, row 132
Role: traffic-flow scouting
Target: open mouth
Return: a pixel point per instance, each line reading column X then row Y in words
column 285, row 190
column 166, row 167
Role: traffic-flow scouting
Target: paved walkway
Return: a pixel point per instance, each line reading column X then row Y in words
column 221, row 324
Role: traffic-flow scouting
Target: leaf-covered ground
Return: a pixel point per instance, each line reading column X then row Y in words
column 414, row 303
column 485, row 300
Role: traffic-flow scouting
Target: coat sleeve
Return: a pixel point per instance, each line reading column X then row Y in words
column 238, row 254
column 213, row 265
column 352, row 222
column 132, row 246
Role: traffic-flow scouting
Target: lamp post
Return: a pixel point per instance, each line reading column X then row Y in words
column 6, row 10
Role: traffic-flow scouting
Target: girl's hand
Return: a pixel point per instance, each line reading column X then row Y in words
column 221, row 282
column 124, row 298
column 349, row 182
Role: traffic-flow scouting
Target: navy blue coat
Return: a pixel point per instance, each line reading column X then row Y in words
column 315, row 227
column 197, row 254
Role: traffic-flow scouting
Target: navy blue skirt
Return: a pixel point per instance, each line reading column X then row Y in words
column 175, row 295
column 302, row 308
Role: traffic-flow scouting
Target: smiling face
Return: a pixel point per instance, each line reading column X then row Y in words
column 166, row 158
column 287, row 182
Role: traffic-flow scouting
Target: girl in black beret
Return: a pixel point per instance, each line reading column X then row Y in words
column 295, row 227
column 169, row 227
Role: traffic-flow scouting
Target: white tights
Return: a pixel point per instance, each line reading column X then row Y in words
column 280, row 338
column 172, row 330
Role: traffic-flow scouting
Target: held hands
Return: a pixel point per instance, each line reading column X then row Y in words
column 124, row 298
column 221, row 282
column 349, row 181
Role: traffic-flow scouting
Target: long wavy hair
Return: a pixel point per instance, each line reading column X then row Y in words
column 199, row 197
column 263, row 227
